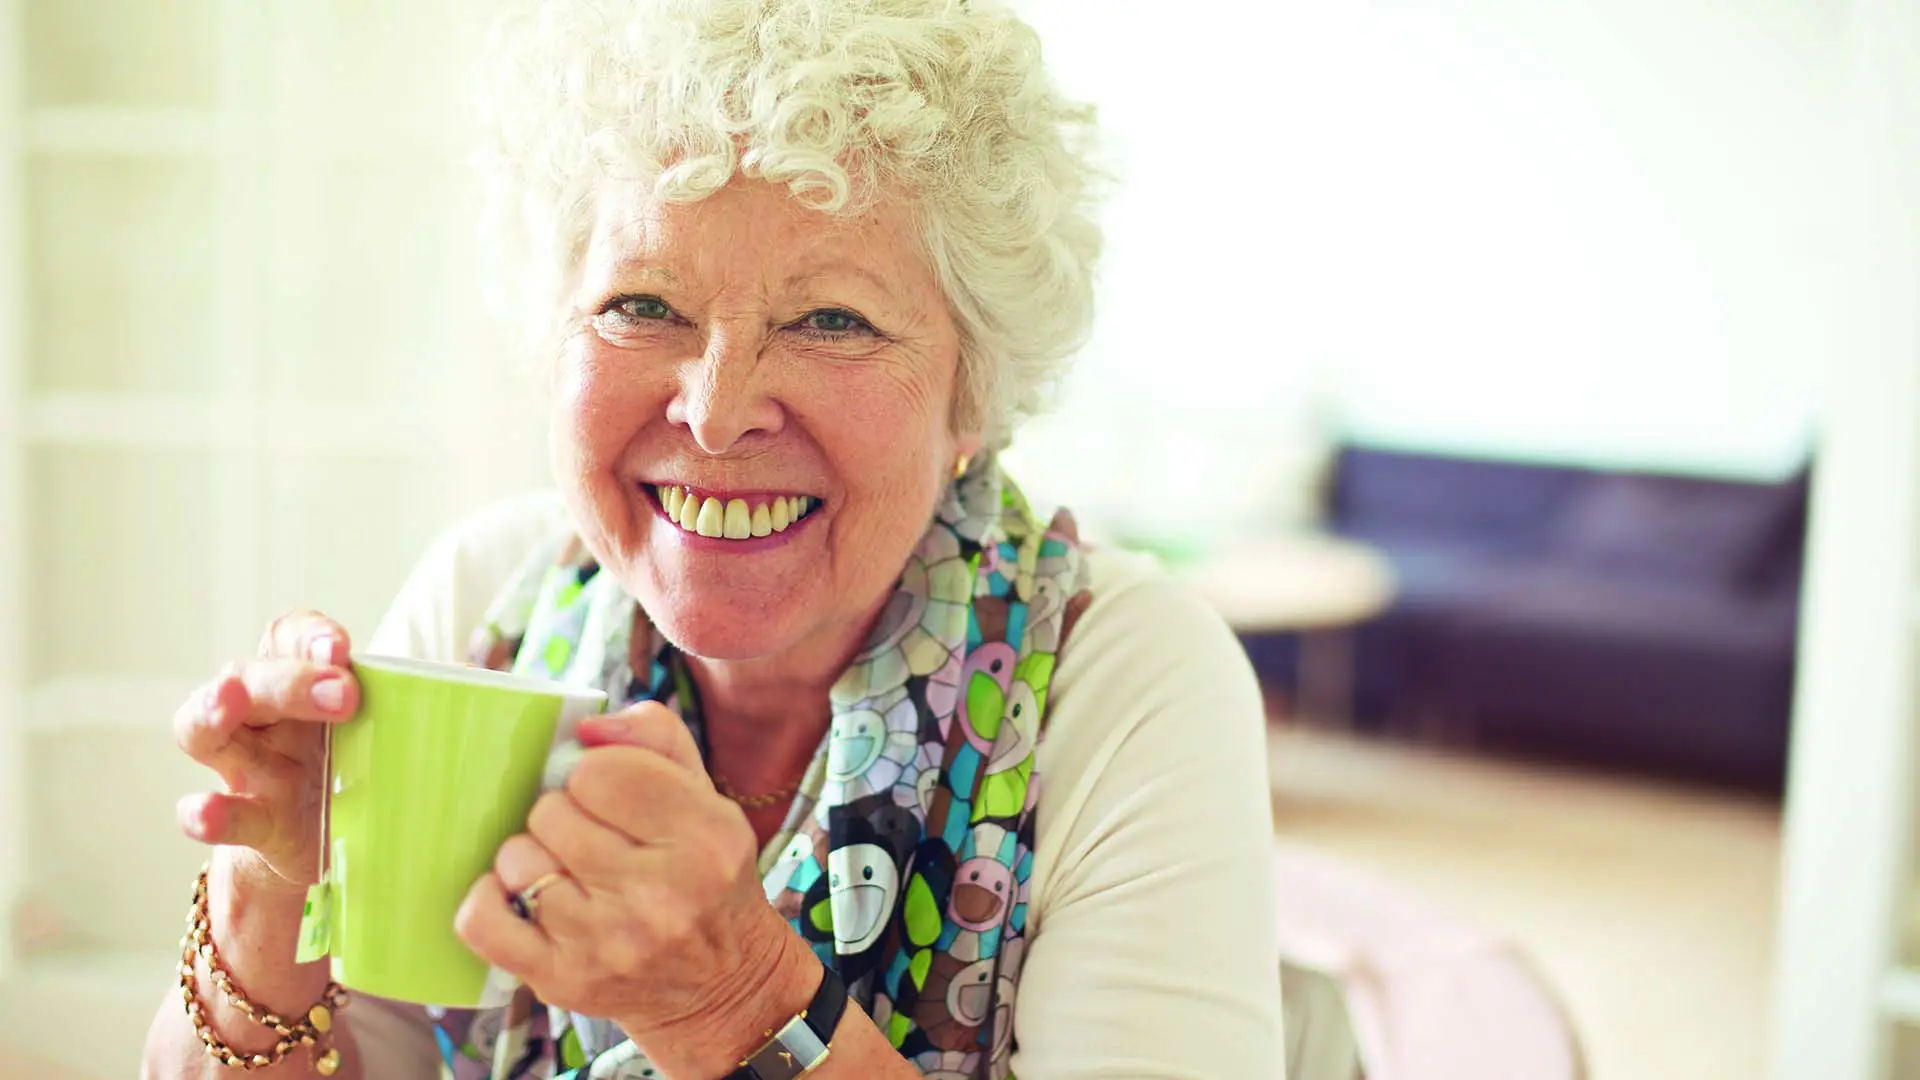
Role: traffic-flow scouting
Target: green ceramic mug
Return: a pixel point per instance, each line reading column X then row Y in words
column 440, row 765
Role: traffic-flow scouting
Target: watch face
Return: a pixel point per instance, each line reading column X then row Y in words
column 791, row 1053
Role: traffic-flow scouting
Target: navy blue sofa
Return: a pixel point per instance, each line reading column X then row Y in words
column 1627, row 620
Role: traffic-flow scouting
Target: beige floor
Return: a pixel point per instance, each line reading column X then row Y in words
column 1649, row 907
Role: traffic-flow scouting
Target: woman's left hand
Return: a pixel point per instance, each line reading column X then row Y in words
column 658, row 920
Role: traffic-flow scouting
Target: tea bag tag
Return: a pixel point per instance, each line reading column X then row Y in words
column 316, row 923
column 316, row 918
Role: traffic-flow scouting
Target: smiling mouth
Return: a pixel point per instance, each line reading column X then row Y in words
column 854, row 759
column 973, row 1001
column 862, row 906
column 720, row 518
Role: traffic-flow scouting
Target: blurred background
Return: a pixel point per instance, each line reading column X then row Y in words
column 1532, row 383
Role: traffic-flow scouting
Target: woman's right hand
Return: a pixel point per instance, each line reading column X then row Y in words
column 261, row 727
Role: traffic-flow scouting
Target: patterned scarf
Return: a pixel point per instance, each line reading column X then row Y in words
column 906, row 857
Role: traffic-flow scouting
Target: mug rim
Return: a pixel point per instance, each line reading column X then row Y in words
column 474, row 676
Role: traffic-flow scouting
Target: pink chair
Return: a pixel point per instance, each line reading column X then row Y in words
column 1381, row 985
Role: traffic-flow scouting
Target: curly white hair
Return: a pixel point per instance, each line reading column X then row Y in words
column 943, row 103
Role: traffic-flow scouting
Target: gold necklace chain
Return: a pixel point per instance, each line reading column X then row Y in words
column 754, row 802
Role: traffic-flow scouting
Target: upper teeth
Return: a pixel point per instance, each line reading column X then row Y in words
column 734, row 519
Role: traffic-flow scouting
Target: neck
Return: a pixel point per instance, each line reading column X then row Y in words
column 765, row 716
column 759, row 697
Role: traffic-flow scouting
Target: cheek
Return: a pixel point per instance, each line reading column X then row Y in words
column 597, row 408
column 884, row 463
column 884, row 433
column 569, row 389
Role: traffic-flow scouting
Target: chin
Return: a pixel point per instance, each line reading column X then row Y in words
column 704, row 639
column 717, row 629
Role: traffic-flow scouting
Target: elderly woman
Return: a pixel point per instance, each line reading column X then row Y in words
column 900, row 778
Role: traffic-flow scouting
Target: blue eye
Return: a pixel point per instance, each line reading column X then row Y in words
column 642, row 307
column 833, row 322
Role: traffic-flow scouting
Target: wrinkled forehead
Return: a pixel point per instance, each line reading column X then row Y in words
column 746, row 227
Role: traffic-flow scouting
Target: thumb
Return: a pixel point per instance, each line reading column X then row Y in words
column 648, row 725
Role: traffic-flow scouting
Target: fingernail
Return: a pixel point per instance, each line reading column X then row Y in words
column 601, row 730
column 329, row 693
column 320, row 649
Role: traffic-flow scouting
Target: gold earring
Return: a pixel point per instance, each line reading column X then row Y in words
column 960, row 467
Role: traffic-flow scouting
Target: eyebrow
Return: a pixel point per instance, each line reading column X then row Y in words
column 849, row 269
column 642, row 269
column 639, row 268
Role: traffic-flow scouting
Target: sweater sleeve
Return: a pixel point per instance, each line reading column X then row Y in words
column 446, row 596
column 1154, row 953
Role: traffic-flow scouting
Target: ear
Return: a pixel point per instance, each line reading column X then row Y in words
column 960, row 458
column 964, row 422
column 968, row 444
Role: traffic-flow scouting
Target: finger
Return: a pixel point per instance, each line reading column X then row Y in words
column 649, row 725
column 488, row 925
column 285, row 689
column 521, row 863
column 637, row 792
column 205, row 723
column 590, row 850
column 225, row 818
column 522, row 860
column 306, row 635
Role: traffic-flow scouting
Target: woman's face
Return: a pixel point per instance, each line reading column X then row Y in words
column 735, row 360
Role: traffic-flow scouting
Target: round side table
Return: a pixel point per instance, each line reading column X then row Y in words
column 1318, row 586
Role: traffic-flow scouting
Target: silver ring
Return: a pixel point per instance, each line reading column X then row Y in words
column 527, row 901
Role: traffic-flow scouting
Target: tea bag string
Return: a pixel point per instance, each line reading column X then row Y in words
column 326, row 808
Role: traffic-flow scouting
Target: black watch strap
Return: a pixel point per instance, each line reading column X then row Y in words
column 799, row 1046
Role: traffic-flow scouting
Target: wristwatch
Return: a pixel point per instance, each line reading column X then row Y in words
column 802, row 1044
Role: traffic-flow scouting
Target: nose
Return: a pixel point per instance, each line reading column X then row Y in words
column 721, row 398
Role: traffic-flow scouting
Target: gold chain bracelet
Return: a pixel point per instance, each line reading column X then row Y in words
column 309, row 1031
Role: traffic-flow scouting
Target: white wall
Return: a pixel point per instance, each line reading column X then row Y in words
column 1849, row 844
column 1563, row 229
column 296, row 388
